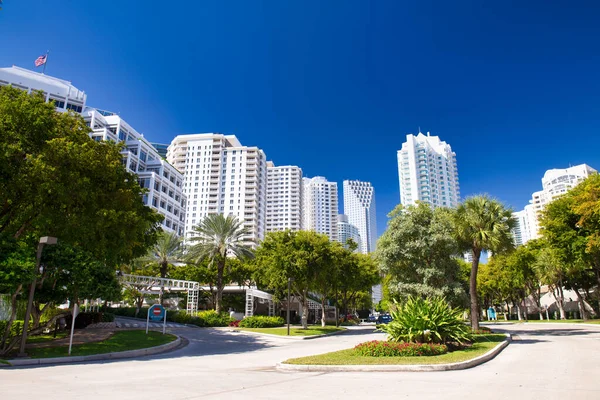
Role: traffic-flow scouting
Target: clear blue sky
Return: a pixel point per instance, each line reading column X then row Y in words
column 334, row 86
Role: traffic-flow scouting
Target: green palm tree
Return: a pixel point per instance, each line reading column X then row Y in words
column 216, row 237
column 166, row 251
column 482, row 223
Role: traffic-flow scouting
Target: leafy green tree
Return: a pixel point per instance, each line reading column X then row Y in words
column 298, row 256
column 482, row 223
column 418, row 252
column 57, row 181
column 216, row 236
column 357, row 275
column 568, row 240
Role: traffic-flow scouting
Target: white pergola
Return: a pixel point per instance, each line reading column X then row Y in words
column 153, row 284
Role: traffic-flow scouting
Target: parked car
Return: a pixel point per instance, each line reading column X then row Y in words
column 384, row 319
column 372, row 318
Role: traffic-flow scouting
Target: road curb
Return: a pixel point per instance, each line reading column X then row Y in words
column 499, row 324
column 95, row 357
column 399, row 368
column 285, row 336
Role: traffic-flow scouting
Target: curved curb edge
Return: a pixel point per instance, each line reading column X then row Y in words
column 95, row 357
column 236, row 330
column 399, row 368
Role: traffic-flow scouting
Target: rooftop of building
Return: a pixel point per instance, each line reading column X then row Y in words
column 39, row 77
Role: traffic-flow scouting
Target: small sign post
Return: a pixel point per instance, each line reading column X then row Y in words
column 157, row 313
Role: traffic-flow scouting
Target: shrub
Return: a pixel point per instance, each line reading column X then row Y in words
column 211, row 318
column 378, row 348
column 108, row 317
column 483, row 330
column 201, row 318
column 426, row 321
column 234, row 324
column 261, row 321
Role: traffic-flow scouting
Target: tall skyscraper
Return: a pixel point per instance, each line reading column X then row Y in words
column 161, row 148
column 427, row 171
column 348, row 231
column 359, row 206
column 320, row 206
column 284, row 198
column 555, row 182
column 64, row 95
column 222, row 177
column 163, row 181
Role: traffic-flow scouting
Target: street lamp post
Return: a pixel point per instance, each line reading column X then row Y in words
column 288, row 305
column 45, row 240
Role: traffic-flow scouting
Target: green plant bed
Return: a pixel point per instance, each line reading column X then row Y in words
column 564, row 321
column 46, row 338
column 295, row 331
column 120, row 341
column 482, row 344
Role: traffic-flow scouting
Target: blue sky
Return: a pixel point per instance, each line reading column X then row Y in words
column 335, row 86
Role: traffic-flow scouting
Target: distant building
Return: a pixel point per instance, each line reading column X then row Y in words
column 320, row 206
column 359, row 206
column 163, row 181
column 222, row 177
column 161, row 149
column 555, row 183
column 284, row 198
column 348, row 231
column 427, row 171
column 64, row 95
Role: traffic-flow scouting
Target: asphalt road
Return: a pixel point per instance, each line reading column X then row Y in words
column 555, row 361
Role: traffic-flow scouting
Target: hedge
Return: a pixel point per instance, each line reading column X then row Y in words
column 260, row 321
column 378, row 348
column 201, row 318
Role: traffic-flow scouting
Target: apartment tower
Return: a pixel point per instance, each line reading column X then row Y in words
column 320, row 206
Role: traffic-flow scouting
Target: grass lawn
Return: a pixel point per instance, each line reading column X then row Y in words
column 567, row 321
column 46, row 338
column 483, row 343
column 120, row 341
column 295, row 331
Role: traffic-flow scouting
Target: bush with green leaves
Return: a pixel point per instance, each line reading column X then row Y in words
column 429, row 320
column 208, row 318
column 377, row 348
column 261, row 321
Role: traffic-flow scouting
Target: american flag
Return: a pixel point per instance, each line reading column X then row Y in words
column 41, row 60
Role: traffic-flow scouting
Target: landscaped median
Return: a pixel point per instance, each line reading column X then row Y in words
column 296, row 332
column 484, row 348
column 123, row 344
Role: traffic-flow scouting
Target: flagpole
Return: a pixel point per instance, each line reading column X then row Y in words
column 44, row 70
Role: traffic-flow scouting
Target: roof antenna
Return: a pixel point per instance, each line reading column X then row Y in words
column 419, row 129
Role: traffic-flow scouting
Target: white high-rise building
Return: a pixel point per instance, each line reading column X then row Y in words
column 320, row 206
column 555, row 182
column 359, row 206
column 284, row 198
column 163, row 181
column 427, row 171
column 64, row 95
column 348, row 231
column 222, row 177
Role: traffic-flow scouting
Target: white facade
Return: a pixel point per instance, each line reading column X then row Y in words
column 222, row 177
column 284, row 198
column 63, row 93
column 162, row 181
column 427, row 171
column 555, row 182
column 359, row 206
column 320, row 206
column 348, row 231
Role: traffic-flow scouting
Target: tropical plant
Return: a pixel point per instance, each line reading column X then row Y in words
column 429, row 320
column 377, row 348
column 216, row 237
column 482, row 223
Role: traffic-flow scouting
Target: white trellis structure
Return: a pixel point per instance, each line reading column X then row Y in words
column 153, row 284
column 251, row 294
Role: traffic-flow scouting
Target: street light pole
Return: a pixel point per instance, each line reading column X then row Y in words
column 48, row 240
column 288, row 306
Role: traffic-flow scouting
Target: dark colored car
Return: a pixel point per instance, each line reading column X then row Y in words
column 372, row 318
column 384, row 319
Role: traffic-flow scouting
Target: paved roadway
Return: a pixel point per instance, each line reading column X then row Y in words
column 546, row 362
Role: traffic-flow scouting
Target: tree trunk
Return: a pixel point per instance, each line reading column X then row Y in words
column 558, row 297
column 163, row 274
column 13, row 315
column 519, row 315
column 583, row 311
column 525, row 311
column 473, row 289
column 323, row 311
column 304, row 310
column 139, row 302
column 220, row 271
